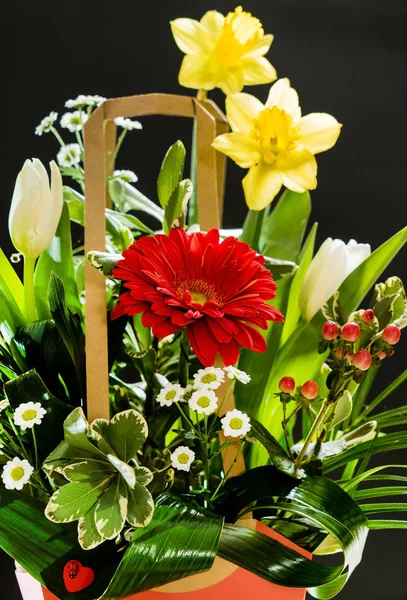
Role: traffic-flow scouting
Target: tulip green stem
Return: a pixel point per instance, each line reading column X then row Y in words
column 29, row 266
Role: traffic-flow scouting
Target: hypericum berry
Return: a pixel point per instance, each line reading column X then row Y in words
column 310, row 389
column 330, row 330
column 339, row 354
column 362, row 360
column 391, row 334
column 382, row 355
column 368, row 316
column 350, row 332
column 287, row 385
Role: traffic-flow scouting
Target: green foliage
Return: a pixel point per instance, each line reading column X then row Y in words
column 104, row 489
column 11, row 292
column 177, row 204
column 126, row 198
column 171, row 172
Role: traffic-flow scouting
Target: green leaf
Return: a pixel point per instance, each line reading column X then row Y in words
column 391, row 490
column 105, row 262
column 171, row 172
column 184, row 538
column 342, row 410
column 126, row 197
column 74, row 500
column 252, row 228
column 77, row 433
column 280, row 268
column 88, row 470
column 380, row 507
column 58, row 259
column 69, row 326
column 29, row 387
column 111, row 510
column 88, row 535
column 125, row 470
column 392, row 387
column 177, row 204
column 141, row 504
column 127, row 432
column 387, row 524
column 11, row 290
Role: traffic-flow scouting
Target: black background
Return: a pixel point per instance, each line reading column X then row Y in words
column 345, row 57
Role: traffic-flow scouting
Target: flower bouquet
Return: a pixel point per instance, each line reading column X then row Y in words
column 186, row 410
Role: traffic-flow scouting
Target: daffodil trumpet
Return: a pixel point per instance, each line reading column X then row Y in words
column 275, row 142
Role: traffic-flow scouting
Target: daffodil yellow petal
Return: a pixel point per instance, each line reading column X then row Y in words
column 318, row 131
column 259, row 47
column 284, row 97
column 261, row 185
column 242, row 110
column 190, row 37
column 212, row 23
column 239, row 147
column 231, row 82
column 258, row 70
column 194, row 73
column 298, row 171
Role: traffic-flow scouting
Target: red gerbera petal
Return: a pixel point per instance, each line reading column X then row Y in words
column 217, row 289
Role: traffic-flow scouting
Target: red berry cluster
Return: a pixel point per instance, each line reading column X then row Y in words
column 309, row 389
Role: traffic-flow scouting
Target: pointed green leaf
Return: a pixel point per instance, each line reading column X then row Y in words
column 171, row 172
column 10, row 283
column 143, row 475
column 127, row 433
column 73, row 500
column 88, row 535
column 77, row 432
column 111, row 510
column 141, row 506
column 177, row 204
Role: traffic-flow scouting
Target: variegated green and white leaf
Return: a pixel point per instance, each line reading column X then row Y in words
column 127, row 433
column 89, row 470
column 111, row 510
column 342, row 410
column 100, row 432
column 72, row 501
column 126, row 471
column 140, row 507
column 76, row 429
column 88, row 535
column 143, row 475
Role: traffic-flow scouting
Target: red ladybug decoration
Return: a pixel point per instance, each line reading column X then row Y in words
column 77, row 577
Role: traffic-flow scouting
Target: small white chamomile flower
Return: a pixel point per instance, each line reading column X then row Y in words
column 211, row 377
column 235, row 423
column 170, row 393
column 182, row 458
column 16, row 473
column 46, row 123
column 4, row 404
column 125, row 175
column 85, row 100
column 128, row 124
column 74, row 121
column 204, row 401
column 234, row 373
column 29, row 414
column 69, row 155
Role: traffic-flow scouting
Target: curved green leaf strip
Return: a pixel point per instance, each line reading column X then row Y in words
column 126, row 197
column 181, row 540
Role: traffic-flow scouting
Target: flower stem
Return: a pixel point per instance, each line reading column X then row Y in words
column 216, row 492
column 35, row 448
column 202, row 95
column 183, row 369
column 58, row 136
column 29, row 265
column 116, row 151
column 316, row 425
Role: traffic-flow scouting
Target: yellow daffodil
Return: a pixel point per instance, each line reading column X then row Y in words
column 275, row 142
column 225, row 52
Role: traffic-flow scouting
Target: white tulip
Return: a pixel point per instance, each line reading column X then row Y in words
column 331, row 265
column 36, row 208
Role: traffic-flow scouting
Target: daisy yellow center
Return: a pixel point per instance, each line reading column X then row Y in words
column 17, row 473
column 208, row 378
column 183, row 458
column 170, row 395
column 200, row 290
column 239, row 32
column 236, row 423
column 274, row 132
column 29, row 414
column 204, row 402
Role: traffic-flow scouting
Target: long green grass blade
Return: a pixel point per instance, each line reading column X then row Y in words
column 380, row 507
column 387, row 524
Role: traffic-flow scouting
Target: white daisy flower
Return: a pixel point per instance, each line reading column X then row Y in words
column 29, row 414
column 210, row 377
column 234, row 373
column 69, row 155
column 170, row 393
column 204, row 401
column 74, row 121
column 4, row 404
column 125, row 175
column 46, row 123
column 85, row 100
column 16, row 473
column 128, row 123
column 235, row 423
column 182, row 458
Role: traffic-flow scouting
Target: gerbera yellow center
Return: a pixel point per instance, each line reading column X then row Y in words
column 170, row 395
column 240, row 31
column 204, row 402
column 274, row 132
column 17, row 473
column 200, row 290
column 236, row 423
column 208, row 378
column 29, row 414
column 183, row 458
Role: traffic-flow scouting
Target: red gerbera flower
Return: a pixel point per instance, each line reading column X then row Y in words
column 216, row 290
